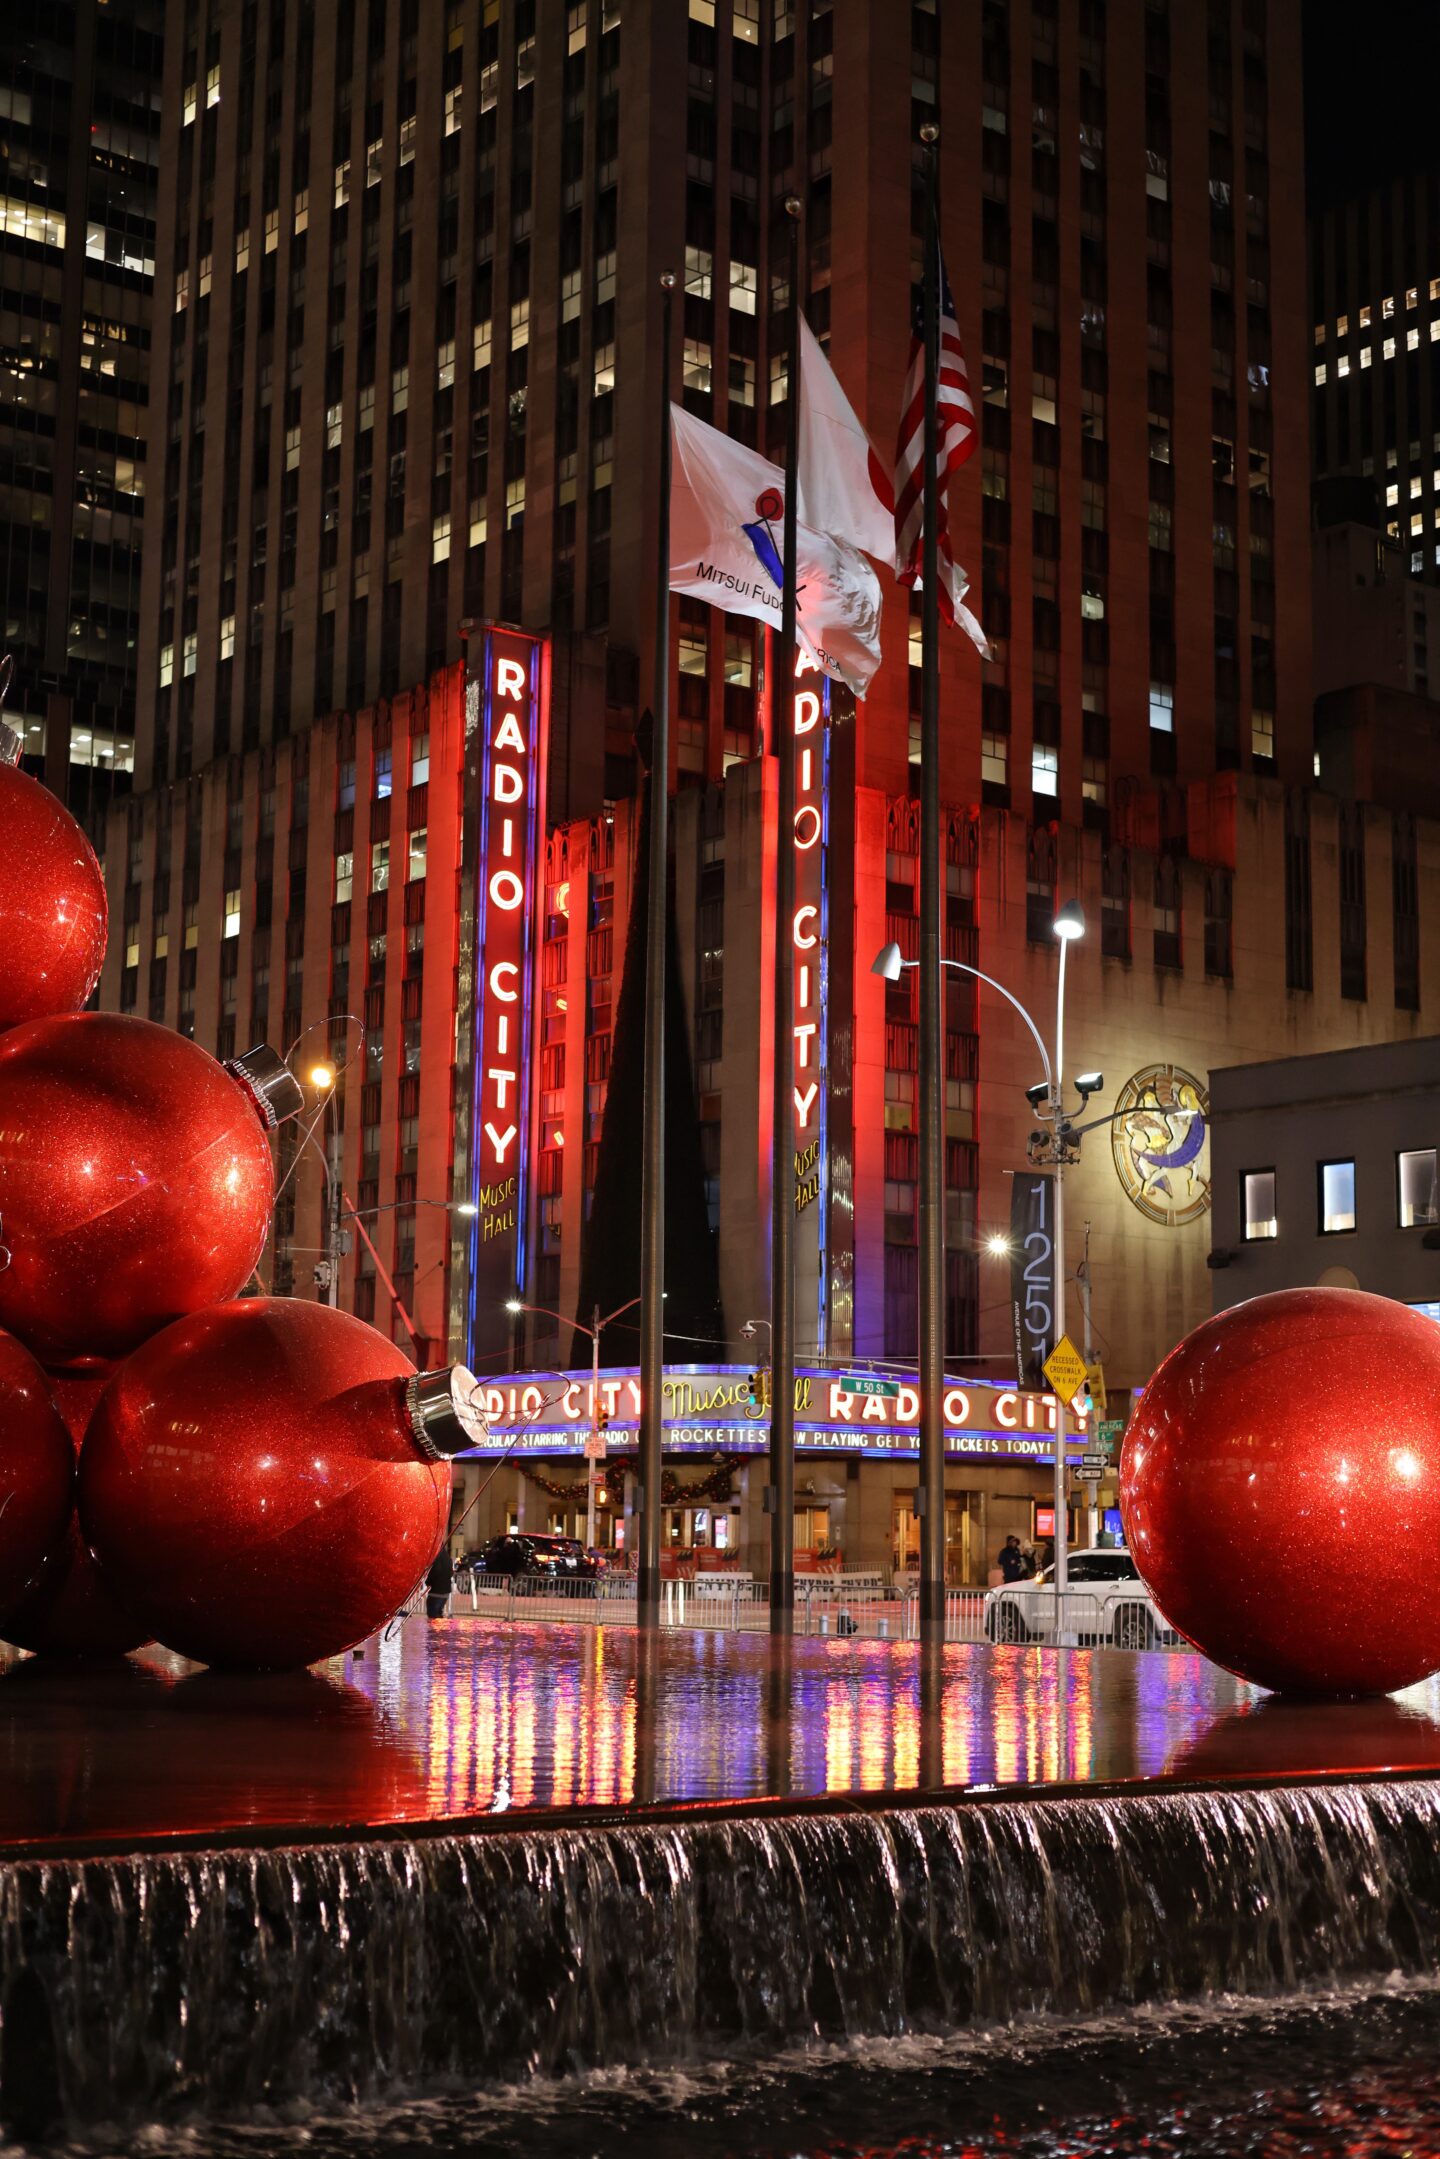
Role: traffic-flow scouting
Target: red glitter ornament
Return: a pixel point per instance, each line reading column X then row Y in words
column 52, row 904
column 1280, row 1487
column 37, row 1475
column 73, row 1612
column 264, row 1482
column 135, row 1180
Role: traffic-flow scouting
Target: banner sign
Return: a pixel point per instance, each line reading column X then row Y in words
column 1032, row 1273
column 710, row 1407
column 810, row 967
column 512, row 721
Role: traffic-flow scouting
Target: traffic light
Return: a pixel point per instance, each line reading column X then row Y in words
column 756, row 1390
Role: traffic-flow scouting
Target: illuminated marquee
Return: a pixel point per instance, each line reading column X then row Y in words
column 710, row 1406
column 810, row 988
column 513, row 718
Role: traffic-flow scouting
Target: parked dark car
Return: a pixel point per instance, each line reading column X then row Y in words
column 535, row 1557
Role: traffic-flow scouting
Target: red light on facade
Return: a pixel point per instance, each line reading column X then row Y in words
column 512, row 721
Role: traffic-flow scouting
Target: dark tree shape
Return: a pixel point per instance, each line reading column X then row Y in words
column 610, row 1252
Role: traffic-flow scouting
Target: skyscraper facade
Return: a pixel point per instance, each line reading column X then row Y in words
column 1375, row 366
column 409, row 317
column 79, row 158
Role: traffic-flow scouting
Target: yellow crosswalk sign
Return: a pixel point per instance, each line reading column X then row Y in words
column 1065, row 1369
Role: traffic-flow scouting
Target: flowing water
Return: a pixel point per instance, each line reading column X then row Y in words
column 213, row 1983
column 1343, row 2074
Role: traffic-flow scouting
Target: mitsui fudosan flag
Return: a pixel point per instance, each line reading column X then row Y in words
column 727, row 515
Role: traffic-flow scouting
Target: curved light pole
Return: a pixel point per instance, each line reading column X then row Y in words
column 594, row 1330
column 1069, row 925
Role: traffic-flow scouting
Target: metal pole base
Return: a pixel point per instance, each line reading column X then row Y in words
column 782, row 1604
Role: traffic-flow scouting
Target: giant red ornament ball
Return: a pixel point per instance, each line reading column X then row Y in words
column 73, row 1612
column 135, row 1183
column 1280, row 1488
column 255, row 1481
column 37, row 1475
column 52, row 904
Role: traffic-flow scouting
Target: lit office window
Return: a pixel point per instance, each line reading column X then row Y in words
column 1415, row 1171
column 1257, row 1204
column 232, row 913
column 379, row 865
column 1337, row 1197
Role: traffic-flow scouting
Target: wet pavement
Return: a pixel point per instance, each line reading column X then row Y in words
column 459, row 1720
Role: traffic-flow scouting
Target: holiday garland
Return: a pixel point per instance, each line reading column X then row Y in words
column 717, row 1484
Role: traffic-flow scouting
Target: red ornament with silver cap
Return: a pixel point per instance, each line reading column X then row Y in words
column 37, row 1476
column 1280, row 1488
column 53, row 909
column 266, row 1482
column 136, row 1181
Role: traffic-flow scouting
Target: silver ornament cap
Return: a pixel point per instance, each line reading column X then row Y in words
column 11, row 743
column 444, row 1415
column 270, row 1084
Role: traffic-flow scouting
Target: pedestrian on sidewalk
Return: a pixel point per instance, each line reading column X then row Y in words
column 1012, row 1561
column 439, row 1583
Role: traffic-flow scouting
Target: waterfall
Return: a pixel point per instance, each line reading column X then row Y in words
column 214, row 1982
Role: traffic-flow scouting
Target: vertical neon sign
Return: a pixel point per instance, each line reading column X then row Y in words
column 810, row 933
column 514, row 720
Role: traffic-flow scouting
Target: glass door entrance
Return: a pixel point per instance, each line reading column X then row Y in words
column 962, row 1536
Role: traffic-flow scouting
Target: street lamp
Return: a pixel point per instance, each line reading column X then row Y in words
column 594, row 1330
column 1069, row 924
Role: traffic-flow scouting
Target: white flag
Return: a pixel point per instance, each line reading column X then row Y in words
column 844, row 488
column 727, row 515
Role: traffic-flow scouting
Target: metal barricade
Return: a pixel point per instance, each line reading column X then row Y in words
column 826, row 1607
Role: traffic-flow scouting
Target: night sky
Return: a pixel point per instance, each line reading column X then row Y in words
column 1370, row 90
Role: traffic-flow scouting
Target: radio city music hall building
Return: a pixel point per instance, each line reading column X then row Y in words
column 412, row 397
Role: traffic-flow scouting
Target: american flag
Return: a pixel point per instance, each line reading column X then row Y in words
column 955, row 415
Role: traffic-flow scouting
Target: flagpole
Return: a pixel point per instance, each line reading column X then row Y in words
column 652, row 1170
column 781, row 1493
column 932, row 1036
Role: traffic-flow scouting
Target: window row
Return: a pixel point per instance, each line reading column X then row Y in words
column 1415, row 1196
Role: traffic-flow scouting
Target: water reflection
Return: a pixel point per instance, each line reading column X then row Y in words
column 1398, row 1732
column 465, row 1718
column 541, row 1716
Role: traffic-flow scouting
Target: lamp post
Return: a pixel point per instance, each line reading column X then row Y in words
column 1069, row 925
column 594, row 1330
